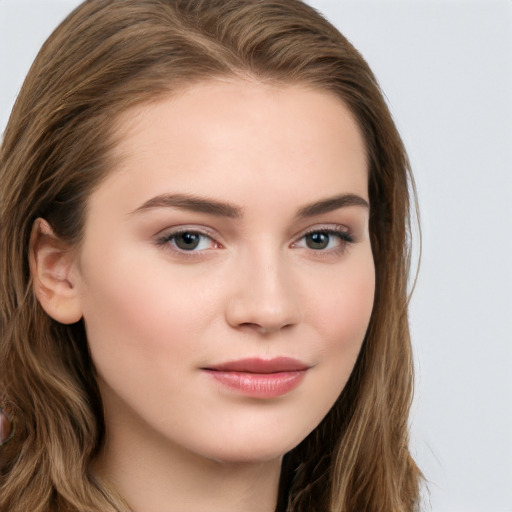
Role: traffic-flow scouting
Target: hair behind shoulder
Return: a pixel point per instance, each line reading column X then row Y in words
column 107, row 56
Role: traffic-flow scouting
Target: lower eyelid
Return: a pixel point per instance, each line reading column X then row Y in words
column 170, row 237
column 343, row 242
column 343, row 234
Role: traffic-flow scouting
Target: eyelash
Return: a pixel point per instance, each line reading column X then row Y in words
column 169, row 240
column 344, row 237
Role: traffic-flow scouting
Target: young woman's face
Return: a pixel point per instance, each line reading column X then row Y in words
column 226, row 277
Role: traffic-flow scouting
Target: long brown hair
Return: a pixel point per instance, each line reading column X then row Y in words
column 109, row 55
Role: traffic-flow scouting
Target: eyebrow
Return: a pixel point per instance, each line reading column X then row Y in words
column 192, row 203
column 330, row 204
column 223, row 209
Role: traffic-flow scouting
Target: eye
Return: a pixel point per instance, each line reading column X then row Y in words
column 325, row 240
column 319, row 241
column 188, row 241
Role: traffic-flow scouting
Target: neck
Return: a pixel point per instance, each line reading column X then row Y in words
column 154, row 475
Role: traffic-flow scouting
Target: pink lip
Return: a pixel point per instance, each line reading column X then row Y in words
column 256, row 365
column 260, row 378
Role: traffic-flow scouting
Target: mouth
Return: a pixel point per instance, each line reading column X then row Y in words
column 261, row 366
column 259, row 378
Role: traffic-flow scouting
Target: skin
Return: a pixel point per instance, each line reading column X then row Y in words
column 156, row 314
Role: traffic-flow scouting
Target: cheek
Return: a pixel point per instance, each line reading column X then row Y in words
column 350, row 312
column 132, row 315
column 343, row 314
column 345, row 307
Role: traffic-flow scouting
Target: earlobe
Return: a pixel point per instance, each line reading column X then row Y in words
column 51, row 267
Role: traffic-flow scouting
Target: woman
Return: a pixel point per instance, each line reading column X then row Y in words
column 204, row 233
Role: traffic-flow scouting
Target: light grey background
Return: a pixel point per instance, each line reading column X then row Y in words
column 446, row 69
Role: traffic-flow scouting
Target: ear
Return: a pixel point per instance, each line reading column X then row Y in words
column 52, row 268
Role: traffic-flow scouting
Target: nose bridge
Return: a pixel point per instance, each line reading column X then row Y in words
column 264, row 295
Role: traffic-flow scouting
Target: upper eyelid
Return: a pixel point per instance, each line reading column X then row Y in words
column 164, row 236
column 216, row 236
column 330, row 228
column 327, row 227
column 344, row 233
column 163, row 239
column 176, row 230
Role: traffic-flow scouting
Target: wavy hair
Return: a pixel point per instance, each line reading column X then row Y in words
column 107, row 56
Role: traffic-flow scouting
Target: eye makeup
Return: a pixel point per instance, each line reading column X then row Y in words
column 192, row 241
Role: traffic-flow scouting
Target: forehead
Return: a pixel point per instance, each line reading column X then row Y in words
column 245, row 134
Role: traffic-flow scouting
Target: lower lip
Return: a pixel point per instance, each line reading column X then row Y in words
column 259, row 385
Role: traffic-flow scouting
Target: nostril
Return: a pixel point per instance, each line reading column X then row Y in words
column 264, row 309
column 264, row 330
column 255, row 327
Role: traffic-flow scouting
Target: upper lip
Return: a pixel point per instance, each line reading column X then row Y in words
column 257, row 365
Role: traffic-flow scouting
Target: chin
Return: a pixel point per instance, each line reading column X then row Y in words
column 248, row 456
column 252, row 450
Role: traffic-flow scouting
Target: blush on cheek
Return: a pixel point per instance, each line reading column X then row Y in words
column 348, row 318
column 350, row 307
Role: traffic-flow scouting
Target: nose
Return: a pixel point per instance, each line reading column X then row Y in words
column 264, row 296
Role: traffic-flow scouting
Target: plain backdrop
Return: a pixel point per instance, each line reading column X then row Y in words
column 446, row 70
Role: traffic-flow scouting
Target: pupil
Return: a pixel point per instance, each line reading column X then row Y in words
column 187, row 241
column 317, row 240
